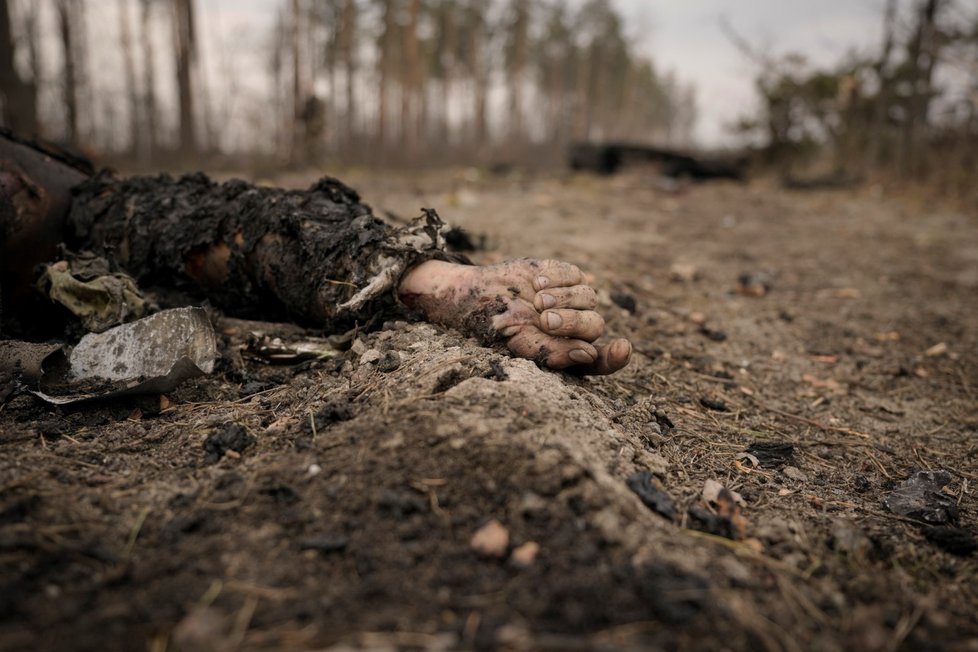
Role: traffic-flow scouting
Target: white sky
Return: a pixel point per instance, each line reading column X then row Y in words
column 686, row 37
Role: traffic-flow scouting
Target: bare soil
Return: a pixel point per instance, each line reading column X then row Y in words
column 331, row 505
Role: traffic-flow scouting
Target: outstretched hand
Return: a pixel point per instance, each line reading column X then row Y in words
column 542, row 309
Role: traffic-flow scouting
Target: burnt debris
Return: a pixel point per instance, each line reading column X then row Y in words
column 609, row 158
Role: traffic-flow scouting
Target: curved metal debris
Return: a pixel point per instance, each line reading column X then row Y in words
column 148, row 356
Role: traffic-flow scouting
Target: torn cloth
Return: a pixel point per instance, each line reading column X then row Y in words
column 86, row 286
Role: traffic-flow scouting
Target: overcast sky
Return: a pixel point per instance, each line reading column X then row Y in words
column 682, row 35
column 686, row 36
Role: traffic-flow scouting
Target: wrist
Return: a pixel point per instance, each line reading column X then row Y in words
column 430, row 278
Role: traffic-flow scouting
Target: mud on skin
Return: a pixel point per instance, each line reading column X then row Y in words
column 472, row 315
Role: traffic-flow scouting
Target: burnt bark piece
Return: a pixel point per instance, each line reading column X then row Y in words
column 255, row 252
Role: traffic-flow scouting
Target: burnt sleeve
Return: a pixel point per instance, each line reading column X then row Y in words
column 317, row 256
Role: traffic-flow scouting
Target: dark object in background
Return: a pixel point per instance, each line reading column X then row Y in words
column 460, row 240
column 608, row 158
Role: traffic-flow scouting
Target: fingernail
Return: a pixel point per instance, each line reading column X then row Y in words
column 580, row 355
column 547, row 300
column 542, row 282
column 553, row 320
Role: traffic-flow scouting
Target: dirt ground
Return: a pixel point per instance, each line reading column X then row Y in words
column 807, row 351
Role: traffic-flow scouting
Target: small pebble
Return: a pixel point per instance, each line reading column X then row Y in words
column 371, row 355
column 523, row 556
column 794, row 473
column 491, row 540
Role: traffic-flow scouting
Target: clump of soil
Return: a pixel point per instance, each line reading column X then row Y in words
column 231, row 437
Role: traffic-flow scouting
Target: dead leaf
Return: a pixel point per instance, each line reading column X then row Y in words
column 712, row 490
column 754, row 462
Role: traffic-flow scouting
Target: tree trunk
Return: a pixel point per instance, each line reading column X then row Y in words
column 149, row 87
column 130, row 71
column 582, row 101
column 185, row 49
column 447, row 60
column 386, row 52
column 69, row 80
column 410, row 83
column 556, row 94
column 921, row 57
column 479, row 60
column 516, row 68
column 278, row 114
column 296, row 149
column 348, row 44
column 17, row 95
column 33, row 35
column 883, row 94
